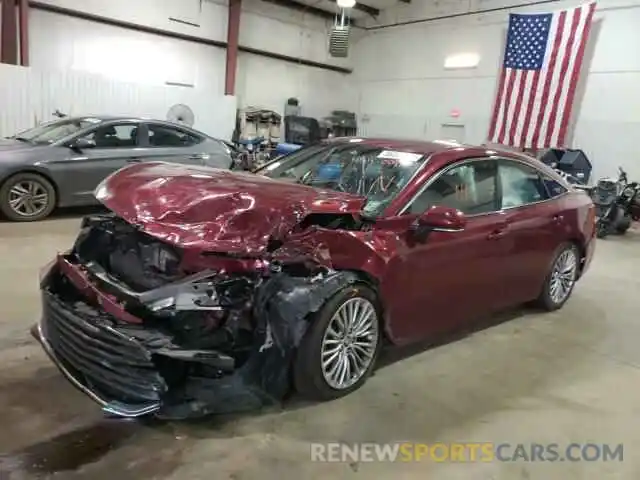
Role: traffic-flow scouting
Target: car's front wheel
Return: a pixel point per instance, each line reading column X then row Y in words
column 561, row 279
column 339, row 350
column 27, row 197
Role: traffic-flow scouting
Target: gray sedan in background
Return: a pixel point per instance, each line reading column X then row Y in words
column 60, row 163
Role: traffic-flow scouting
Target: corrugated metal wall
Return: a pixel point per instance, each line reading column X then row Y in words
column 29, row 96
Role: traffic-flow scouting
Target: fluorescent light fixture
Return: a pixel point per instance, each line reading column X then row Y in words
column 462, row 60
column 346, row 3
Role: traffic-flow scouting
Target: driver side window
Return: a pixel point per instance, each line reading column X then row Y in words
column 470, row 187
column 115, row 136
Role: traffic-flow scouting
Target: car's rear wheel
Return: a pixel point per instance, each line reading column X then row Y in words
column 561, row 279
column 27, row 197
column 339, row 350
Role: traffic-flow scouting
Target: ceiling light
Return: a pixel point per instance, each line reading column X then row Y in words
column 462, row 60
column 346, row 3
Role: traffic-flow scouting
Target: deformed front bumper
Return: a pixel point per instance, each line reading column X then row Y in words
column 124, row 368
column 133, row 369
column 109, row 406
column 113, row 369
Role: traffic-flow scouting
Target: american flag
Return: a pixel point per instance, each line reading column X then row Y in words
column 537, row 83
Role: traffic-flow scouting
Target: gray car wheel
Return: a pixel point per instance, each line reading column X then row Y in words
column 27, row 197
column 561, row 279
column 339, row 350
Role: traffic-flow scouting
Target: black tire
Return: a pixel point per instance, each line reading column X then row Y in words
column 308, row 378
column 624, row 225
column 545, row 300
column 602, row 230
column 18, row 178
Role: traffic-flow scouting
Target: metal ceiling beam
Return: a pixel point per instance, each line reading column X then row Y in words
column 304, row 8
column 363, row 7
column 320, row 12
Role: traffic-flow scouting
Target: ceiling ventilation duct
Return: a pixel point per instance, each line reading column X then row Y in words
column 339, row 36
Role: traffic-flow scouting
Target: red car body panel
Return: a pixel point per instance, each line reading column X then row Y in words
column 500, row 259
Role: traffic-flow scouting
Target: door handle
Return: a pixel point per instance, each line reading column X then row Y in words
column 134, row 160
column 498, row 233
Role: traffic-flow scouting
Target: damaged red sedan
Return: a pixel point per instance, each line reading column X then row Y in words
column 205, row 290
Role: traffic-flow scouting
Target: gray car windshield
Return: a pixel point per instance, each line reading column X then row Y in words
column 53, row 131
column 375, row 173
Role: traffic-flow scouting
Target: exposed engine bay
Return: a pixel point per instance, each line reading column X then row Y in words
column 212, row 340
column 208, row 309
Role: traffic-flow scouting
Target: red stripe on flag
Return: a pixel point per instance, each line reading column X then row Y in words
column 573, row 83
column 515, row 118
column 496, row 104
column 529, row 110
column 564, row 67
column 547, row 81
column 507, row 101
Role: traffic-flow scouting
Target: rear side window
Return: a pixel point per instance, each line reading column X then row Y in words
column 162, row 136
column 520, row 185
column 554, row 187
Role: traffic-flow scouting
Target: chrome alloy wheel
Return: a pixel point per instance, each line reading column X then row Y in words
column 563, row 276
column 28, row 198
column 349, row 343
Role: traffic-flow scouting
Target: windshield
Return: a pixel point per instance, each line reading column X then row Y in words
column 371, row 172
column 53, row 131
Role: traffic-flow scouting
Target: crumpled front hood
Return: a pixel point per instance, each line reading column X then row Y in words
column 215, row 210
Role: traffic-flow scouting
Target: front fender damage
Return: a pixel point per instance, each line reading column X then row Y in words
column 284, row 306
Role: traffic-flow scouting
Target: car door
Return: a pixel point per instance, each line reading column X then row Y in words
column 116, row 144
column 452, row 277
column 167, row 143
column 535, row 222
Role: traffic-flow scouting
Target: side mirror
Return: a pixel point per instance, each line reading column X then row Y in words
column 440, row 219
column 82, row 144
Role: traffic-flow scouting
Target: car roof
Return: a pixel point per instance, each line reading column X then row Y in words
column 406, row 145
column 112, row 118
column 430, row 147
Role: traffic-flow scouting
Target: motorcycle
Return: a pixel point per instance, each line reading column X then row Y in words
column 617, row 203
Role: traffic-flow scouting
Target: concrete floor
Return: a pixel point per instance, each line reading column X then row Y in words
column 571, row 376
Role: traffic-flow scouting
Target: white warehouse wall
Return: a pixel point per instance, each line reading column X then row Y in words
column 60, row 42
column 411, row 94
